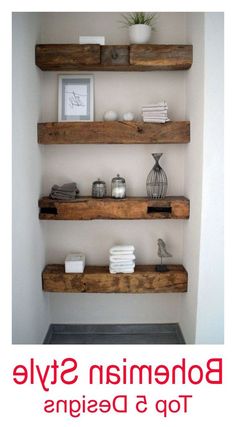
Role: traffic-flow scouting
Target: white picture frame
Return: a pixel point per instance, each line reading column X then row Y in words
column 75, row 97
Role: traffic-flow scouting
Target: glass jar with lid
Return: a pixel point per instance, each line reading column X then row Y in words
column 99, row 189
column 118, row 187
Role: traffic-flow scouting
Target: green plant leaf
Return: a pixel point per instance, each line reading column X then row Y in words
column 134, row 18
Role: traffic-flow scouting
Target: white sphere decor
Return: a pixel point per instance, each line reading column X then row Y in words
column 129, row 116
column 110, row 116
column 139, row 33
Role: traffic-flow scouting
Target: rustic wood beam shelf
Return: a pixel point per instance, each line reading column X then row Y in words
column 98, row 280
column 117, row 132
column 81, row 57
column 88, row 208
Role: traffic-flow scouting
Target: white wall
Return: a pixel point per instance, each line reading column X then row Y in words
column 83, row 164
column 193, row 172
column 30, row 308
column 210, row 304
column 202, row 307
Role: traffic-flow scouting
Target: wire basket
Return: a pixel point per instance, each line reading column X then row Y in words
column 157, row 182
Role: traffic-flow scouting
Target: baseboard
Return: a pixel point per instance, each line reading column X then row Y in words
column 140, row 333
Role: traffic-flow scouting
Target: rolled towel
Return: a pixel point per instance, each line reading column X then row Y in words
column 121, row 248
column 121, row 266
column 122, row 253
column 122, row 262
column 118, row 258
column 128, row 270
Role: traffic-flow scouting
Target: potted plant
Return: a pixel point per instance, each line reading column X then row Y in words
column 140, row 25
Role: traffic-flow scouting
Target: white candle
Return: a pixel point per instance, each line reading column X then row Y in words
column 118, row 192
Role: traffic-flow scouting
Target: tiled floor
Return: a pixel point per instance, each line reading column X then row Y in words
column 115, row 334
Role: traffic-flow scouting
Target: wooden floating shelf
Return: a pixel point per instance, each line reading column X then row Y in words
column 88, row 208
column 98, row 280
column 91, row 57
column 118, row 132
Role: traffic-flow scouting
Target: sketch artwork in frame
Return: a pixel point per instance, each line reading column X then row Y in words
column 75, row 98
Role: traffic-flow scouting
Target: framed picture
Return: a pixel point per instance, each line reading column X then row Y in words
column 75, row 98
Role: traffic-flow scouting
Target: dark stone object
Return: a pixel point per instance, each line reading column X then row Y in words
column 161, row 268
column 142, row 333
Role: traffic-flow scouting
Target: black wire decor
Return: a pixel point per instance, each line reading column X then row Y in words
column 157, row 182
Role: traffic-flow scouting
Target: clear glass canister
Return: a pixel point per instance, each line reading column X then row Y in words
column 99, row 189
column 118, row 187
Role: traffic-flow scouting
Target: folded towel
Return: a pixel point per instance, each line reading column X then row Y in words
column 159, row 104
column 60, row 196
column 155, row 117
column 118, row 258
column 128, row 270
column 157, row 109
column 153, row 114
column 65, row 191
column 121, row 248
column 69, row 187
column 156, row 120
column 121, row 266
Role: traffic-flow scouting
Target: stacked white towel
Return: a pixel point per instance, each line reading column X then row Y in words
column 155, row 113
column 122, row 259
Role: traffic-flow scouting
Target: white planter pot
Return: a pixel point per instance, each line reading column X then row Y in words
column 139, row 33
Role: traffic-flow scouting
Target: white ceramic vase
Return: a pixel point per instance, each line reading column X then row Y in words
column 139, row 33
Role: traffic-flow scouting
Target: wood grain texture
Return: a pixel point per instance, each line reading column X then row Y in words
column 68, row 57
column 88, row 208
column 118, row 132
column 163, row 57
column 76, row 57
column 98, row 280
column 115, row 55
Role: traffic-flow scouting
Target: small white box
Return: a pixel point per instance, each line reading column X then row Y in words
column 92, row 40
column 75, row 263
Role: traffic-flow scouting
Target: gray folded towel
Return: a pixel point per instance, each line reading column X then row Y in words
column 71, row 186
column 66, row 191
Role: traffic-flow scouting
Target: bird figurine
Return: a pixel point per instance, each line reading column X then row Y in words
column 162, row 253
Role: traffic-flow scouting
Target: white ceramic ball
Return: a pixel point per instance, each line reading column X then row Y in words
column 128, row 116
column 110, row 115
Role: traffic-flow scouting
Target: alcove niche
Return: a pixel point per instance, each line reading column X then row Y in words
column 121, row 91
